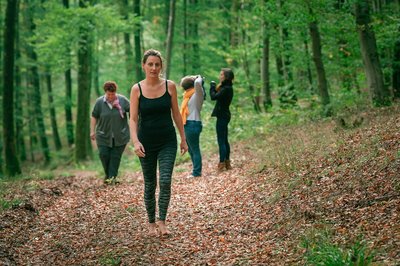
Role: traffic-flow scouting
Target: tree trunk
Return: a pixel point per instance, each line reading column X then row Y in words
column 137, row 41
column 185, row 37
column 369, row 52
column 127, row 41
column 12, row 166
column 95, row 67
column 265, row 65
column 68, row 107
column 53, row 116
column 167, row 14
column 319, row 64
column 194, row 58
column 396, row 68
column 246, row 68
column 285, row 46
column 309, row 73
column 279, row 69
column 68, row 96
column 35, row 84
column 82, row 147
column 170, row 37
column 19, row 97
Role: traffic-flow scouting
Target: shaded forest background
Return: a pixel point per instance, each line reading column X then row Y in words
column 294, row 61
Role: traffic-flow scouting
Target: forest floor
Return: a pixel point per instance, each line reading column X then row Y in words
column 286, row 188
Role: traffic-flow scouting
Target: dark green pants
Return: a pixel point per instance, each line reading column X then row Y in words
column 110, row 158
column 165, row 156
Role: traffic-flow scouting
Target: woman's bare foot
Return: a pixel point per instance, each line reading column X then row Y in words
column 152, row 229
column 163, row 228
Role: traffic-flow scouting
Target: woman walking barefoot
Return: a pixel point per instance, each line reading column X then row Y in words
column 153, row 106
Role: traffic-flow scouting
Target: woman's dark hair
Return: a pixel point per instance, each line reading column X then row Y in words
column 188, row 82
column 151, row 52
column 228, row 73
column 110, row 86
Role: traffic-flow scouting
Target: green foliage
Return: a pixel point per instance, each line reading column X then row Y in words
column 7, row 204
column 110, row 259
column 321, row 251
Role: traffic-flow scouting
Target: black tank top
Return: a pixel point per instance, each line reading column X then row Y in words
column 155, row 121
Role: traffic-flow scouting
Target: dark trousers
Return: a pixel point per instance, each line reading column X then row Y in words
column 222, row 137
column 110, row 158
column 165, row 156
column 192, row 132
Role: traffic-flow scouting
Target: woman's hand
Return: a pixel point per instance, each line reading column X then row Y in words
column 184, row 147
column 139, row 149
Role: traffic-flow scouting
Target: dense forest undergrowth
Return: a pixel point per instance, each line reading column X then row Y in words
column 296, row 195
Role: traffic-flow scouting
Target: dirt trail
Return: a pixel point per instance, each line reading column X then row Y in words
column 77, row 220
column 253, row 214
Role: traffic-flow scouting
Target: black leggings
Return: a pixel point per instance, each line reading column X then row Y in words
column 166, row 158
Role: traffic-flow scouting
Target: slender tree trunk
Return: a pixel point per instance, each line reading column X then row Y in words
column 68, row 96
column 137, row 41
column 185, row 37
column 127, row 41
column 167, row 14
column 369, row 52
column 37, row 98
column 19, row 97
column 194, row 37
column 319, row 64
column 12, row 166
column 82, row 147
column 1, row 93
column 309, row 73
column 246, row 68
column 279, row 69
column 95, row 67
column 53, row 116
column 265, row 65
column 68, row 107
column 396, row 68
column 285, row 46
column 170, row 37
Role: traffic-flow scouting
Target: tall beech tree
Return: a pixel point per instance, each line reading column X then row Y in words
column 138, row 41
column 170, row 36
column 68, row 93
column 83, row 147
column 19, row 95
column 267, row 101
column 35, row 81
column 369, row 51
column 52, row 109
column 12, row 166
column 317, row 57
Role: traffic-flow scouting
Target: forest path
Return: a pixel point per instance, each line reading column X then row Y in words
column 258, row 213
column 74, row 220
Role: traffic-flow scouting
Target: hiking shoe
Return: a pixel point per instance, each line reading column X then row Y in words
column 228, row 165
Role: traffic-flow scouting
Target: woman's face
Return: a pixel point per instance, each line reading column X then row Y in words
column 152, row 67
column 221, row 76
column 111, row 96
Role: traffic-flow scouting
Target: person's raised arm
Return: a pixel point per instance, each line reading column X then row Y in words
column 176, row 115
column 198, row 85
